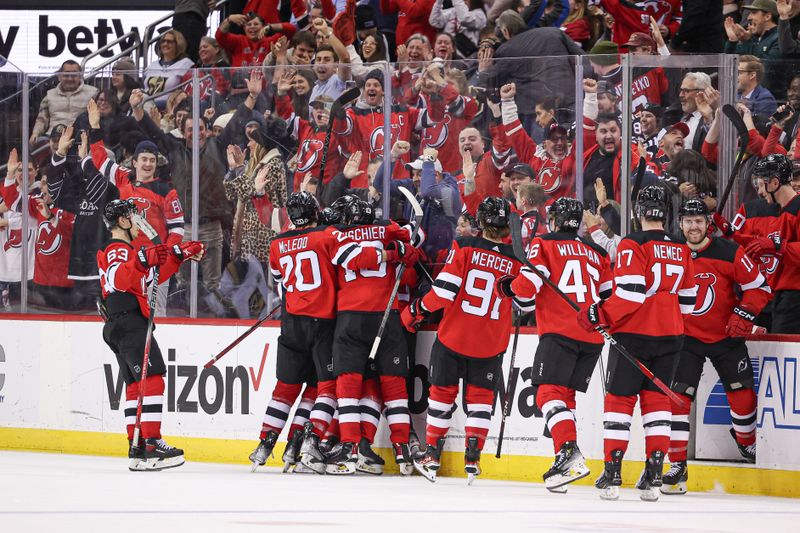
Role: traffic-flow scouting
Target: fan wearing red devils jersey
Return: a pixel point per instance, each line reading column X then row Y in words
column 472, row 336
column 361, row 301
column 716, row 329
column 305, row 261
column 780, row 239
column 654, row 289
column 565, row 357
column 125, row 274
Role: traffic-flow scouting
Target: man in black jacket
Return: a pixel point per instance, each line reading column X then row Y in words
column 701, row 30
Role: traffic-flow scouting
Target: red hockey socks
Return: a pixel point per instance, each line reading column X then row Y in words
column 152, row 406
column 743, row 415
column 370, row 404
column 617, row 416
column 479, row 413
column 657, row 421
column 348, row 392
column 440, row 410
column 395, row 398
column 303, row 411
column 554, row 401
column 679, row 436
column 283, row 397
column 324, row 407
column 333, row 427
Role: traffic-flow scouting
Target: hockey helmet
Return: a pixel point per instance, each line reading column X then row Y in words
column 118, row 208
column 329, row 217
column 652, row 202
column 302, row 209
column 693, row 208
column 494, row 211
column 358, row 212
column 339, row 204
column 566, row 213
column 774, row 166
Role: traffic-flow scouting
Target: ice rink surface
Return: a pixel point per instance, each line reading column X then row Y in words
column 48, row 492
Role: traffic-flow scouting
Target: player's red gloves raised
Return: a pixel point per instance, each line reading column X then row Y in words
column 722, row 224
column 591, row 317
column 763, row 246
column 194, row 250
column 151, row 256
column 402, row 252
column 502, row 287
column 413, row 315
column 740, row 323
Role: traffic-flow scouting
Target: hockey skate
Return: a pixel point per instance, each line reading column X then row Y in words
column 428, row 462
column 310, row 455
column 610, row 480
column 263, row 450
column 344, row 461
column 292, row 451
column 328, row 446
column 650, row 481
column 136, row 456
column 569, row 466
column 674, row 481
column 747, row 451
column 159, row 455
column 413, row 444
column 472, row 460
column 369, row 462
column 402, row 456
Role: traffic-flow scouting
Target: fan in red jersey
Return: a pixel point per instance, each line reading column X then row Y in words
column 126, row 272
column 565, row 357
column 654, row 289
column 473, row 334
column 716, row 330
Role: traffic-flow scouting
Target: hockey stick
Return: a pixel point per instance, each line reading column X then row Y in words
column 151, row 233
column 744, row 139
column 400, row 269
column 344, row 99
column 519, row 251
column 241, row 337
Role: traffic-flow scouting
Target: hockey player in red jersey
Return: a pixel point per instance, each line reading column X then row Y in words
column 654, row 288
column 125, row 273
column 566, row 356
column 361, row 301
column 305, row 260
column 472, row 336
column 716, row 330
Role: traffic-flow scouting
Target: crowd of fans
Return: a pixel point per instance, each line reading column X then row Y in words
column 461, row 95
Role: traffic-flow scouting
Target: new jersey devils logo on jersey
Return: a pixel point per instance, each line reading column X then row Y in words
column 376, row 138
column 436, row 135
column 49, row 240
column 705, row 293
column 14, row 239
column 550, row 179
column 310, row 154
column 142, row 205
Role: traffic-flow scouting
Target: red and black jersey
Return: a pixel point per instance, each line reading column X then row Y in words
column 53, row 243
column 579, row 268
column 654, row 285
column 787, row 227
column 121, row 277
column 753, row 219
column 304, row 262
column 667, row 13
column 157, row 201
column 476, row 322
column 722, row 270
column 368, row 289
column 443, row 136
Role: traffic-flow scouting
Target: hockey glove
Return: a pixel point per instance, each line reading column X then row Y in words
column 722, row 224
column 763, row 246
column 591, row 317
column 413, row 315
column 740, row 323
column 151, row 256
column 194, row 250
column 401, row 252
column 502, row 287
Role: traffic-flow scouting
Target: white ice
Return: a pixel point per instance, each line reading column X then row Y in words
column 65, row 493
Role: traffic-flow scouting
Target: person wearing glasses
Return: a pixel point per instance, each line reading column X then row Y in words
column 692, row 85
column 758, row 99
column 162, row 76
column 62, row 104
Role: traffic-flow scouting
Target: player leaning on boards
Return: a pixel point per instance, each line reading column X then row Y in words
column 565, row 357
column 716, row 329
column 472, row 336
column 125, row 274
column 654, row 289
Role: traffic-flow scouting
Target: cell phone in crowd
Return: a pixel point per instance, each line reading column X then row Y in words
column 780, row 115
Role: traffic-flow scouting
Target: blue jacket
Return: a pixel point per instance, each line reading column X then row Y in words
column 761, row 102
column 441, row 205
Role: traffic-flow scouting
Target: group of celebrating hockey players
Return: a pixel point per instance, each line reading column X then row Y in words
column 671, row 301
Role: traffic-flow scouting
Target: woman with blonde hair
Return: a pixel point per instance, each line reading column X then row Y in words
column 162, row 76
